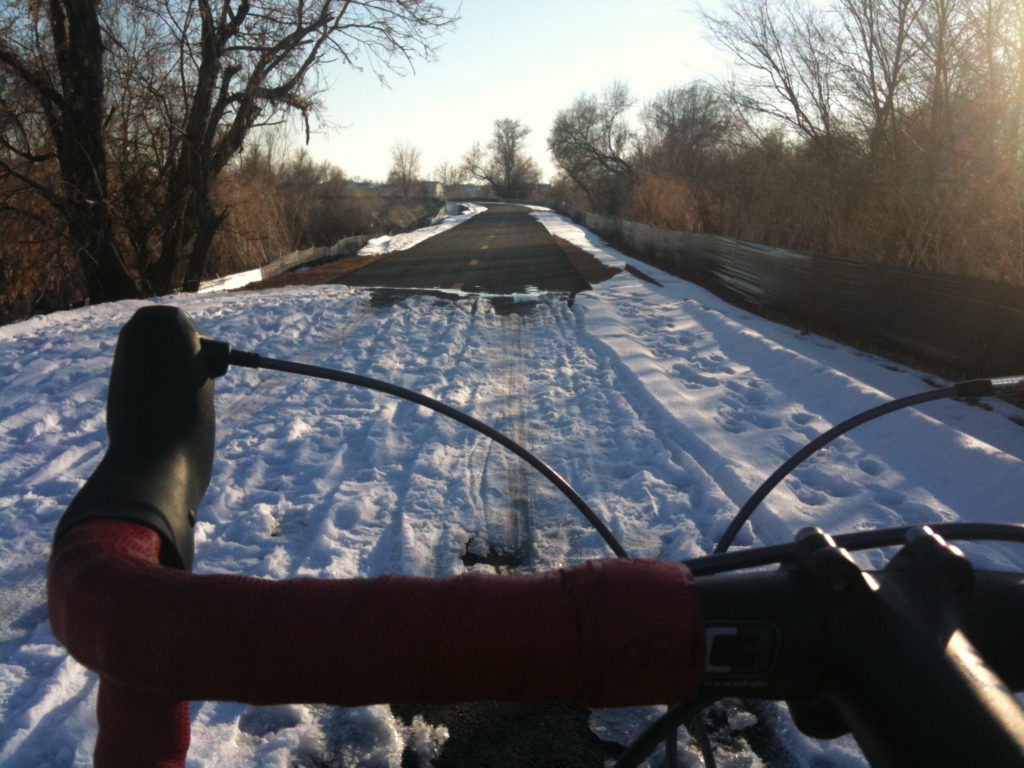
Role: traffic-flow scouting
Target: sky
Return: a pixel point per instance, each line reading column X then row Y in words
column 524, row 60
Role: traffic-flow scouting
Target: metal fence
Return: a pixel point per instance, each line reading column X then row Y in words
column 976, row 326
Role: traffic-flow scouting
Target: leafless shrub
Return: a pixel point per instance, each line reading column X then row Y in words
column 663, row 201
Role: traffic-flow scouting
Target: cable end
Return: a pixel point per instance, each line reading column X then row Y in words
column 974, row 388
column 216, row 355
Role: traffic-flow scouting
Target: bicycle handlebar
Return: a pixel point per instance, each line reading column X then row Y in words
column 916, row 660
column 895, row 657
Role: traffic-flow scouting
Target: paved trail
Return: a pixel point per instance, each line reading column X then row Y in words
column 502, row 251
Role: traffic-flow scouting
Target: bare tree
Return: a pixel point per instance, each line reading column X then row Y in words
column 942, row 34
column 451, row 177
column 506, row 167
column 405, row 168
column 877, row 62
column 997, row 57
column 684, row 125
column 591, row 142
column 791, row 49
column 181, row 106
column 687, row 131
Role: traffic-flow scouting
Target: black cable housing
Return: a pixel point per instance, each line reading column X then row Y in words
column 970, row 388
column 853, row 542
column 252, row 360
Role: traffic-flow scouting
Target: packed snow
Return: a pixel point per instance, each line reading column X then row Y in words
column 662, row 404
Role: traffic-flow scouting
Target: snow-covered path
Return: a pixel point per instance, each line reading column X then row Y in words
column 664, row 407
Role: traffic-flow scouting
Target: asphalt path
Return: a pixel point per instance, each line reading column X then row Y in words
column 501, row 251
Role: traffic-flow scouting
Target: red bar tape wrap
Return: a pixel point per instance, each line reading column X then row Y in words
column 605, row 633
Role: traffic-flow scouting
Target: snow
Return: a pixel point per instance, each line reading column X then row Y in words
column 231, row 282
column 455, row 214
column 664, row 406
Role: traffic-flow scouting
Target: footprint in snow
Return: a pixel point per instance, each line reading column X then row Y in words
column 801, row 423
column 693, row 379
column 871, row 466
column 735, row 417
column 810, row 496
column 918, row 514
column 886, row 496
column 763, row 420
column 713, row 364
column 834, row 485
column 751, row 392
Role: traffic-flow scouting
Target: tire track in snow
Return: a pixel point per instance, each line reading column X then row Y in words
column 505, row 495
column 441, row 498
column 393, row 448
column 372, row 459
column 588, row 431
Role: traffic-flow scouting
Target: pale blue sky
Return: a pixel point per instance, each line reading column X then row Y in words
column 523, row 59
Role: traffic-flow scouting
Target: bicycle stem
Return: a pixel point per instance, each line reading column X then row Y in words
column 881, row 655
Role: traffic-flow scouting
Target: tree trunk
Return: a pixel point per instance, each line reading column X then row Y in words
column 208, row 222
column 79, row 136
column 186, row 242
column 165, row 275
column 106, row 277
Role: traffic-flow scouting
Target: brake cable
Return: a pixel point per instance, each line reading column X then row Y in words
column 219, row 355
column 1009, row 385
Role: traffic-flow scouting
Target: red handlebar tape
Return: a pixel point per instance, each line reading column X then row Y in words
column 606, row 633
